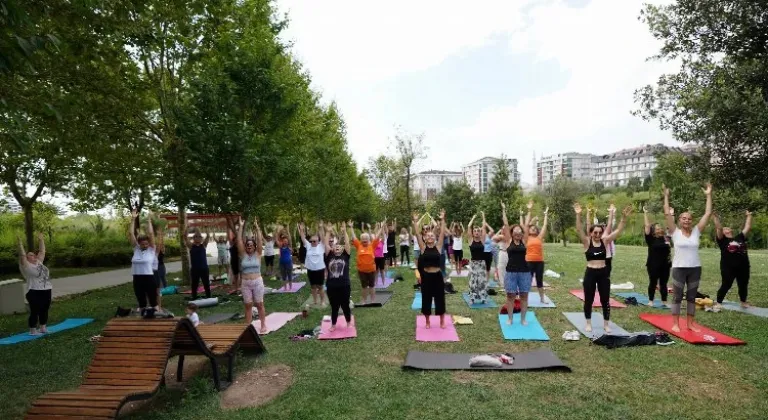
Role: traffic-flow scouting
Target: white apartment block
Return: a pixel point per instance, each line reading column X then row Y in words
column 479, row 174
column 428, row 184
column 577, row 166
column 616, row 169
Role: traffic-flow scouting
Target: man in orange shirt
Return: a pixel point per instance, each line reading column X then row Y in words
column 366, row 266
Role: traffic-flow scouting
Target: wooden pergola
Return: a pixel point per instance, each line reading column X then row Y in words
column 196, row 220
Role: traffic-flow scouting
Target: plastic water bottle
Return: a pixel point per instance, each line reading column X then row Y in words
column 351, row 304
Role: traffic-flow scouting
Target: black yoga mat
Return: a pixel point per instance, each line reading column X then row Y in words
column 535, row 360
column 379, row 299
column 216, row 318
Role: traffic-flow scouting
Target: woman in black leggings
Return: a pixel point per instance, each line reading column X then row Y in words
column 734, row 261
column 432, row 281
column 38, row 286
column 659, row 262
column 144, row 286
column 405, row 247
column 338, row 283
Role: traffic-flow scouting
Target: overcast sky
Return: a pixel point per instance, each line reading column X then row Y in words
column 481, row 78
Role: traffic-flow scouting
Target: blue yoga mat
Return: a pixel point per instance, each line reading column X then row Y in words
column 754, row 310
column 493, row 284
column 416, row 305
column 641, row 299
column 489, row 303
column 533, row 331
column 534, row 301
column 64, row 325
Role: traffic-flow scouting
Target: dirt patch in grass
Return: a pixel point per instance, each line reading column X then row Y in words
column 193, row 365
column 257, row 387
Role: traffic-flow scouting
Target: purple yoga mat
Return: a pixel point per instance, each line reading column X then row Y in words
column 295, row 287
column 342, row 330
column 387, row 282
column 435, row 333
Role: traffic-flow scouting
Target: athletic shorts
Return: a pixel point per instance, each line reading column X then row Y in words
column 488, row 260
column 517, row 282
column 367, row 280
column 269, row 260
column 380, row 261
column 253, row 290
column 316, row 277
column 458, row 254
column 223, row 260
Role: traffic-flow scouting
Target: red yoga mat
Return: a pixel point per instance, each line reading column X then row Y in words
column 705, row 336
column 613, row 302
column 200, row 289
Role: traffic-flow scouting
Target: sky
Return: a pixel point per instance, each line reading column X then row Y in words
column 481, row 78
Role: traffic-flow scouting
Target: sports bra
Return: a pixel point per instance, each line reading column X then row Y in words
column 430, row 258
column 595, row 253
column 251, row 264
column 477, row 251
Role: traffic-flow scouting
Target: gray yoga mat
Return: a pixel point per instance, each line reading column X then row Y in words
column 535, row 360
column 215, row 318
column 578, row 321
column 735, row 306
column 379, row 299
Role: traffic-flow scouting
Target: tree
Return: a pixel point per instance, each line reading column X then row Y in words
column 501, row 189
column 633, row 185
column 21, row 37
column 410, row 147
column 647, row 182
column 562, row 193
column 458, row 200
column 674, row 170
column 719, row 97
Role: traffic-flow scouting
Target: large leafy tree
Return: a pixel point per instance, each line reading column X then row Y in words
column 410, row 148
column 458, row 200
column 501, row 189
column 561, row 194
column 719, row 97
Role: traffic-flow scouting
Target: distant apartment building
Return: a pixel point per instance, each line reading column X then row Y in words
column 576, row 166
column 428, row 184
column 616, row 169
column 479, row 173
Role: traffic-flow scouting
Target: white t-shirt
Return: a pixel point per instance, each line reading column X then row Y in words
column 194, row 319
column 269, row 248
column 415, row 243
column 458, row 243
column 37, row 276
column 404, row 239
column 686, row 248
column 315, row 256
column 141, row 263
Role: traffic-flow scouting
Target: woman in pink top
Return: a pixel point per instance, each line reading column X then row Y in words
column 380, row 259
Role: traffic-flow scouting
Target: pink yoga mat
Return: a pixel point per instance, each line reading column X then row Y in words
column 275, row 321
column 613, row 302
column 387, row 282
column 435, row 333
column 342, row 330
column 200, row 289
column 294, row 288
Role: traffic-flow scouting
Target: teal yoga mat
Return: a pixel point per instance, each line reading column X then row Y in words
column 416, row 305
column 64, row 325
column 493, row 284
column 489, row 303
column 517, row 331
column 641, row 299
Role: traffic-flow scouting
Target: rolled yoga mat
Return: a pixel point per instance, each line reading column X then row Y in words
column 534, row 301
column 735, row 306
column 534, row 360
column 342, row 329
column 216, row 318
column 705, row 336
column 489, row 303
column 435, row 333
column 204, row 303
column 380, row 298
column 579, row 321
column 641, row 299
column 613, row 302
column 52, row 329
column 517, row 331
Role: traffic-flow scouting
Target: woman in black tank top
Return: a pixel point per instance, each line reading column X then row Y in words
column 596, row 277
column 517, row 279
column 478, row 275
column 432, row 283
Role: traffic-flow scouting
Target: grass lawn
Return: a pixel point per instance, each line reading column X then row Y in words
column 362, row 378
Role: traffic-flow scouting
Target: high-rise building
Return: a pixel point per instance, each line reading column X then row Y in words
column 576, row 166
column 479, row 173
column 616, row 169
column 428, row 184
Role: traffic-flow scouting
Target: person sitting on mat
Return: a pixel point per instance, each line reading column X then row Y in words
column 734, row 261
column 39, row 286
column 252, row 284
column 659, row 261
column 339, row 290
column 141, row 266
column 686, row 263
column 517, row 277
column 478, row 276
column 432, row 281
column 315, row 261
column 596, row 274
column 366, row 266
column 192, row 314
column 534, row 254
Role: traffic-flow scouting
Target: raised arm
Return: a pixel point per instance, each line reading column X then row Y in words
column 22, row 253
column 486, row 227
column 747, row 224
column 611, row 218
column 646, row 221
column 623, row 222
column 207, row 237
column 468, row 231
column 41, row 250
column 326, row 235
column 259, row 237
column 302, row 234
column 589, row 219
column 579, row 231
column 417, row 228
column 708, row 210
column 131, row 232
column 543, row 230
column 718, row 226
column 288, row 234
column 669, row 212
column 240, row 242
column 505, row 229
column 522, row 220
column 352, row 228
column 441, row 237
column 150, row 230
column 347, row 242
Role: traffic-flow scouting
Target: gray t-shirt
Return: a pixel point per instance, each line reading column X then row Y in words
column 37, row 276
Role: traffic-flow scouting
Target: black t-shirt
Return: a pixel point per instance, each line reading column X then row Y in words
column 338, row 269
column 391, row 240
column 658, row 251
column 516, row 262
column 733, row 251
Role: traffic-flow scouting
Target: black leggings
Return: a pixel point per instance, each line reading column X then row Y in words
column 392, row 255
column 432, row 287
column 658, row 275
column 145, row 289
column 405, row 254
column 39, row 303
column 609, row 267
column 199, row 274
column 339, row 298
column 537, row 270
column 729, row 274
column 597, row 279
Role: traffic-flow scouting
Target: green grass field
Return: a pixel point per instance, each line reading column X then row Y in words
column 362, row 378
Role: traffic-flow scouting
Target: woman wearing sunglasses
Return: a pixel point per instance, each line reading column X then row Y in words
column 315, row 261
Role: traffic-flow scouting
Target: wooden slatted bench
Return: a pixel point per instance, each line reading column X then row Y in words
column 129, row 364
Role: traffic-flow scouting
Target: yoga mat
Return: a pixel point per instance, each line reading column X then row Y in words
column 295, row 287
column 435, row 333
column 489, row 303
column 416, row 305
column 204, row 303
column 67, row 324
column 170, row 290
column 464, row 273
column 342, row 330
column 379, row 299
column 493, row 284
column 535, row 360
column 517, row 331
column 578, row 321
column 735, row 306
column 275, row 321
column 641, row 299
column 216, row 318
column 705, row 336
column 200, row 289
column 387, row 282
column 613, row 302
column 534, row 301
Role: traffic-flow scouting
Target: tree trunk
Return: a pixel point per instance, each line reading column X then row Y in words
column 565, row 240
column 183, row 245
column 408, row 190
column 29, row 227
